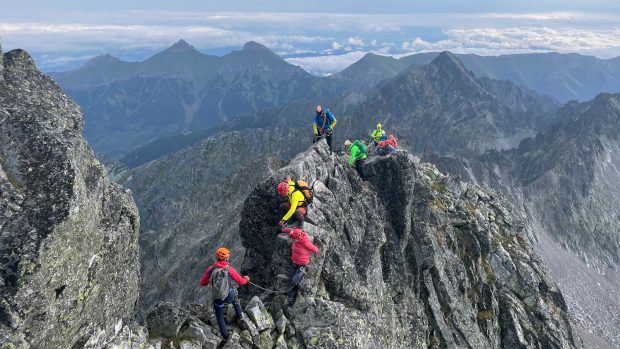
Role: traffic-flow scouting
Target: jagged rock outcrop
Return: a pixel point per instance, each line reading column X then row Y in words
column 68, row 237
column 565, row 184
column 192, row 200
column 414, row 258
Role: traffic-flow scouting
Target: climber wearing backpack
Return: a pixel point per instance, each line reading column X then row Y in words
column 323, row 126
column 388, row 147
column 357, row 150
column 376, row 134
column 221, row 275
column 300, row 256
column 299, row 196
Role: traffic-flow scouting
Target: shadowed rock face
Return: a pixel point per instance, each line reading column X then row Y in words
column 191, row 201
column 414, row 258
column 565, row 183
column 68, row 243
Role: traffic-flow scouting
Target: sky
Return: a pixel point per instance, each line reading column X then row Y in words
column 321, row 36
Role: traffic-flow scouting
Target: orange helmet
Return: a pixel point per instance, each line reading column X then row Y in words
column 222, row 253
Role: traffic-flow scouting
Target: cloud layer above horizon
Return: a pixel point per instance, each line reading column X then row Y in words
column 321, row 43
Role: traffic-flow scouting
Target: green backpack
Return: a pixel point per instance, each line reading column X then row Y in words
column 361, row 146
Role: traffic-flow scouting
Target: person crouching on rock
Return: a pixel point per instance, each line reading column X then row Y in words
column 388, row 147
column 357, row 151
column 221, row 275
column 295, row 205
column 300, row 256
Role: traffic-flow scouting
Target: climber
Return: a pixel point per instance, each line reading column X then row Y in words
column 299, row 197
column 220, row 274
column 323, row 126
column 376, row 134
column 383, row 136
column 388, row 147
column 358, row 154
column 300, row 256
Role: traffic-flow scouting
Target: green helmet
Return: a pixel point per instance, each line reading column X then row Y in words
column 379, row 127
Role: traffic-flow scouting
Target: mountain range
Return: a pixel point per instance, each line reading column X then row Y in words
column 180, row 90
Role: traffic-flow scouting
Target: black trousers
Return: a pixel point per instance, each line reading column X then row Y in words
column 359, row 167
column 328, row 138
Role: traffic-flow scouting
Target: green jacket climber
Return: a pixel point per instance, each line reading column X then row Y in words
column 376, row 134
column 357, row 157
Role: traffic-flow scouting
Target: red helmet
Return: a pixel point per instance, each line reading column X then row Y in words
column 283, row 188
column 222, row 253
column 296, row 234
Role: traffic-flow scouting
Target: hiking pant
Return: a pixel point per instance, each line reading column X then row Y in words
column 296, row 274
column 329, row 141
column 328, row 138
column 359, row 167
column 218, row 306
column 299, row 215
column 386, row 150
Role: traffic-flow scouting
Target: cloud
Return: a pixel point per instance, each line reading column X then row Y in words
column 322, row 65
column 287, row 33
column 45, row 37
column 520, row 40
column 356, row 41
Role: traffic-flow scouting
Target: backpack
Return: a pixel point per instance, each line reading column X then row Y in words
column 306, row 190
column 361, row 146
column 220, row 282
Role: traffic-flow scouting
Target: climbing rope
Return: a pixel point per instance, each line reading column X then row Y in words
column 303, row 271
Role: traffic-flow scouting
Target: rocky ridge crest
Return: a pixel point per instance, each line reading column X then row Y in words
column 68, row 237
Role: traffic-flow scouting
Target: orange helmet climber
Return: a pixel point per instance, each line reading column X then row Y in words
column 222, row 253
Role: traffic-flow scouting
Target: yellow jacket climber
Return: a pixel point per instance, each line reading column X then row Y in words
column 296, row 201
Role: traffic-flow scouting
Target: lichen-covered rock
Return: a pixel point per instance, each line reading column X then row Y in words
column 68, row 237
column 166, row 320
column 411, row 259
column 259, row 315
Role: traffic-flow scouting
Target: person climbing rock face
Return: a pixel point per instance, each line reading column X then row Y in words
column 323, row 126
column 221, row 275
column 376, row 134
column 388, row 147
column 301, row 251
column 357, row 151
column 298, row 195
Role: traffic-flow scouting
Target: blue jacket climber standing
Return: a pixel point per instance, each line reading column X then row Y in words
column 323, row 126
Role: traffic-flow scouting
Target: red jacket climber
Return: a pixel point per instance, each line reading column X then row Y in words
column 302, row 247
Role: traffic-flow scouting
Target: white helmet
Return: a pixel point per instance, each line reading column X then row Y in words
column 347, row 143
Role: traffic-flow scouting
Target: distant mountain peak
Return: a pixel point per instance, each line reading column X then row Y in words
column 255, row 47
column 447, row 58
column 181, row 45
column 102, row 59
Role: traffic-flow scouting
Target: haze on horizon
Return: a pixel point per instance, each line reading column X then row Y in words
column 322, row 37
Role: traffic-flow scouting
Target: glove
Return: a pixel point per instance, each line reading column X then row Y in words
column 281, row 223
column 328, row 130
